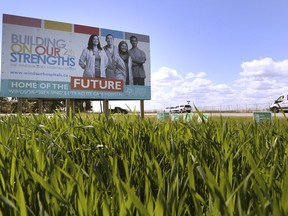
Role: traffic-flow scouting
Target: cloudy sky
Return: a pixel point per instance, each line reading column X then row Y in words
column 212, row 53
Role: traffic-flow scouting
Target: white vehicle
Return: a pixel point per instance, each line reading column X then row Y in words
column 168, row 109
column 182, row 108
column 281, row 104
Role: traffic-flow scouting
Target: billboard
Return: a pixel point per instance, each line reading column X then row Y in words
column 49, row 59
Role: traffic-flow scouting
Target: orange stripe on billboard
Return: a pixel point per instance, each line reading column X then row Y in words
column 99, row 84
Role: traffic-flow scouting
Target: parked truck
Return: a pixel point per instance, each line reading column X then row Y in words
column 280, row 104
column 118, row 110
column 182, row 109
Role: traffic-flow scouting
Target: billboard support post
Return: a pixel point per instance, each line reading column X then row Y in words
column 142, row 108
column 69, row 106
column 40, row 106
column 20, row 105
column 105, row 107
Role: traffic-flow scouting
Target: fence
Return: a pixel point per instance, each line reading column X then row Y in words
column 236, row 107
column 230, row 108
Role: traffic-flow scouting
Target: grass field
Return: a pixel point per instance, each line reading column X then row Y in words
column 126, row 165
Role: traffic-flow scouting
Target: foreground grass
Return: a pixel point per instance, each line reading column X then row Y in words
column 125, row 165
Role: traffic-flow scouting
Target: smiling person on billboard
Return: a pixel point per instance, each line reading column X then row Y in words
column 138, row 59
column 93, row 59
column 115, row 68
column 126, row 62
column 112, row 53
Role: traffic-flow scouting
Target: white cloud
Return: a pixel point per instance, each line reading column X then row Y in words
column 265, row 67
column 164, row 76
column 259, row 83
column 262, row 80
column 201, row 74
column 194, row 87
column 263, row 77
column 192, row 75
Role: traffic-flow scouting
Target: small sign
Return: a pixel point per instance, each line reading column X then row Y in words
column 262, row 116
column 162, row 115
column 175, row 117
column 188, row 117
column 203, row 117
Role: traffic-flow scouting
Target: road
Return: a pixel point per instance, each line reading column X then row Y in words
column 231, row 114
column 209, row 114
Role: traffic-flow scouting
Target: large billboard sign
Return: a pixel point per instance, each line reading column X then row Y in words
column 49, row 59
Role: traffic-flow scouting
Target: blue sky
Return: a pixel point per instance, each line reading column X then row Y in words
column 212, row 53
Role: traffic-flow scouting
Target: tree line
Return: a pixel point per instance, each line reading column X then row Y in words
column 9, row 105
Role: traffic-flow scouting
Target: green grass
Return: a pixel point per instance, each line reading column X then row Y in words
column 126, row 165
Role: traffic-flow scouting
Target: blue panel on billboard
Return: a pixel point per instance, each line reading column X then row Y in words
column 116, row 34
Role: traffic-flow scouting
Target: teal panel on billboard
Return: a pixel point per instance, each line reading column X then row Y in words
column 50, row 89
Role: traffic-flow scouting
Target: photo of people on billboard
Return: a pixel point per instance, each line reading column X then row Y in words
column 114, row 62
